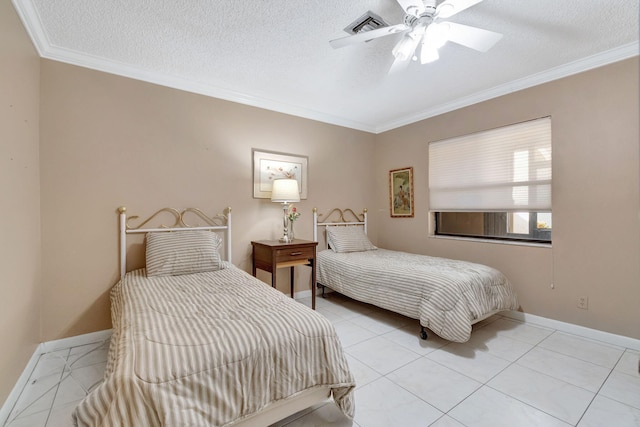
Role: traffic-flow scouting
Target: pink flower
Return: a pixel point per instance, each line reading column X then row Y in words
column 293, row 213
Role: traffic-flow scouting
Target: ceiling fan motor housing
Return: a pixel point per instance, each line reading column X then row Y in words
column 424, row 16
column 429, row 7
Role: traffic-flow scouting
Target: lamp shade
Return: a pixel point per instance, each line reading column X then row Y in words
column 285, row 191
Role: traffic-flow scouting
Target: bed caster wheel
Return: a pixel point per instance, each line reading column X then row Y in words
column 323, row 287
column 423, row 334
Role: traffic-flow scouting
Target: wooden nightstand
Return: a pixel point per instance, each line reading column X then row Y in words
column 269, row 255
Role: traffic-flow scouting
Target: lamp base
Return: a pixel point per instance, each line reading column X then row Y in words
column 285, row 222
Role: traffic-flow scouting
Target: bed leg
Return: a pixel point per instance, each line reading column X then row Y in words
column 423, row 333
column 322, row 286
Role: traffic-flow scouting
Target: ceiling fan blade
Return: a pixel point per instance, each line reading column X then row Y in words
column 367, row 35
column 412, row 7
column 449, row 8
column 472, row 37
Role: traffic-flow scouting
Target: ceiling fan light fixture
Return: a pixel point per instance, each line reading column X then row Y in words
column 437, row 34
column 419, row 29
column 428, row 54
column 405, row 47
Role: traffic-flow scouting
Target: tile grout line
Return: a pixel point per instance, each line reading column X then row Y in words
column 17, row 416
column 486, row 383
column 99, row 345
column 602, row 385
column 68, row 366
column 57, row 386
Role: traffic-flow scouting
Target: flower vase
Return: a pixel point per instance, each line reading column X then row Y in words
column 290, row 233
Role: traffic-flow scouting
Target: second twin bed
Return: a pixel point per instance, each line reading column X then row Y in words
column 446, row 295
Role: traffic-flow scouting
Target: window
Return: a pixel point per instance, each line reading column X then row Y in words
column 514, row 226
column 494, row 184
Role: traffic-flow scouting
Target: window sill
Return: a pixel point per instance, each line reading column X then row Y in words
column 495, row 242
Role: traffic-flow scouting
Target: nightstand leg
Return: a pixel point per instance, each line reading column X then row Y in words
column 313, row 283
column 291, row 273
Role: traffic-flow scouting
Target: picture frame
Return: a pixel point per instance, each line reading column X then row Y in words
column 270, row 165
column 401, row 193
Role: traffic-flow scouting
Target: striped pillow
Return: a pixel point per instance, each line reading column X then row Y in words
column 182, row 252
column 348, row 239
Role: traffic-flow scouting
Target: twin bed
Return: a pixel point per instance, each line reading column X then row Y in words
column 447, row 296
column 199, row 342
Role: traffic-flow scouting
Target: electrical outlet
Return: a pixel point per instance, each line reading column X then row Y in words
column 583, row 303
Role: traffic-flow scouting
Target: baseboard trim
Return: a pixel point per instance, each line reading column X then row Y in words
column 84, row 339
column 42, row 348
column 307, row 293
column 582, row 331
column 570, row 328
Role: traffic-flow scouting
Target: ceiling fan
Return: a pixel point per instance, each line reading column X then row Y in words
column 425, row 31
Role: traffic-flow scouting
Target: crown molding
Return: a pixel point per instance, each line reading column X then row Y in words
column 125, row 70
column 33, row 25
column 601, row 59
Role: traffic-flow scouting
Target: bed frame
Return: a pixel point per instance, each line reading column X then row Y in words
column 337, row 217
column 347, row 217
column 221, row 223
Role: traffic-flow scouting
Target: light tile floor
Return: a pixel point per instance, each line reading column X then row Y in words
column 508, row 374
column 57, row 384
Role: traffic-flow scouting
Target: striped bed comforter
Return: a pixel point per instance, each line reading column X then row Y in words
column 446, row 295
column 209, row 349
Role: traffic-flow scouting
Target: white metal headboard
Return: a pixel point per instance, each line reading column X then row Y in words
column 218, row 222
column 338, row 217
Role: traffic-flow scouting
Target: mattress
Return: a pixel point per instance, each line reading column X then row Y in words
column 210, row 349
column 446, row 295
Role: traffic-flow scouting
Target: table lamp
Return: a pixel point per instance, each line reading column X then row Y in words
column 285, row 191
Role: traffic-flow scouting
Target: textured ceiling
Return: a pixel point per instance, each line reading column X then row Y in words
column 275, row 54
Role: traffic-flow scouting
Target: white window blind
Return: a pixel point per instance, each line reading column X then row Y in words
column 504, row 169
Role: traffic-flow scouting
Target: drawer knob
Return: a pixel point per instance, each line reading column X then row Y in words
column 295, row 253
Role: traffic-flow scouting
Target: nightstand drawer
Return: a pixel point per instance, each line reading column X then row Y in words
column 292, row 254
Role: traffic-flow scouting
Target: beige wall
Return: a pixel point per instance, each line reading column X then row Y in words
column 109, row 141
column 596, row 229
column 105, row 141
column 20, row 291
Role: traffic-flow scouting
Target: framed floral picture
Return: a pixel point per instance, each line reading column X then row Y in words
column 270, row 165
column 401, row 192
